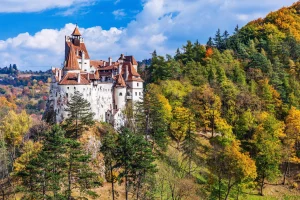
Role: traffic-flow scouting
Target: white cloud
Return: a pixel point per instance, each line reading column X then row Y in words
column 119, row 14
column 9, row 6
column 117, row 1
column 163, row 25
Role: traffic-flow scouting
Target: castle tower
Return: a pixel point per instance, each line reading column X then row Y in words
column 120, row 92
column 80, row 50
column 71, row 63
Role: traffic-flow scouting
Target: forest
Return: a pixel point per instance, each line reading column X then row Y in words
column 217, row 121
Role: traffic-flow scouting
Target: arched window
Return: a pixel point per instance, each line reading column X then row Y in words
column 120, row 94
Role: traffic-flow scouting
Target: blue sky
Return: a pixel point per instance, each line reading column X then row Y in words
column 32, row 31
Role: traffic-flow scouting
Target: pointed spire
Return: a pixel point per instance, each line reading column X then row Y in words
column 72, row 63
column 76, row 31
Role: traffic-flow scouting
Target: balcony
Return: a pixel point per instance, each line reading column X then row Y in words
column 128, row 97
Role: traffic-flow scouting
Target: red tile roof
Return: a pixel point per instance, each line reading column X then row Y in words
column 131, row 69
column 72, row 63
column 120, row 81
column 80, row 48
column 108, row 67
column 72, row 79
column 97, row 63
column 76, row 32
column 131, row 59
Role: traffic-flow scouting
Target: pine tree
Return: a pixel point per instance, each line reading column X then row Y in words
column 190, row 143
column 80, row 114
column 45, row 171
column 218, row 40
column 210, row 42
column 109, row 148
column 79, row 175
column 58, row 168
column 135, row 157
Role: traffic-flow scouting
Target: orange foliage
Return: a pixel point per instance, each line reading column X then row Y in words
column 209, row 52
column 4, row 103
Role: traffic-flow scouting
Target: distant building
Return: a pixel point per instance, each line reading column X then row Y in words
column 107, row 85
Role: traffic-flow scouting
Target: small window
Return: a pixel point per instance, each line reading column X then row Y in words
column 120, row 94
column 74, row 88
column 68, row 88
column 67, row 95
column 135, row 93
column 140, row 93
column 137, row 84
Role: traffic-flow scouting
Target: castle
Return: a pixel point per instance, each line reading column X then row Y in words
column 107, row 85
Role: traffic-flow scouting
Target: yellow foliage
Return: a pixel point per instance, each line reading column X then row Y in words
column 180, row 123
column 29, row 152
column 240, row 163
column 14, row 126
column 4, row 103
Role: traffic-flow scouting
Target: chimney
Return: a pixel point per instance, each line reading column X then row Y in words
column 126, row 73
column 59, row 75
column 82, row 59
column 79, row 78
column 110, row 61
column 120, row 69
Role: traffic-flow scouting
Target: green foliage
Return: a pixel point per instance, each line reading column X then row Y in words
column 79, row 114
column 132, row 155
column 55, row 170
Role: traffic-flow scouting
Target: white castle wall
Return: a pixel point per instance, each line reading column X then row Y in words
column 136, row 90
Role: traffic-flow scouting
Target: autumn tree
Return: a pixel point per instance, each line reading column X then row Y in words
column 268, row 147
column 231, row 167
column 153, row 116
column 179, row 124
column 292, row 139
column 14, row 126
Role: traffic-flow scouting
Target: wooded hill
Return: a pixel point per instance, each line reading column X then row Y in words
column 218, row 121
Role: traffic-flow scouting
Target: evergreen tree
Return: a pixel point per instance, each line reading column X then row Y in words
column 190, row 143
column 80, row 114
column 210, row 42
column 135, row 157
column 79, row 175
column 45, row 171
column 109, row 150
column 218, row 40
column 57, row 169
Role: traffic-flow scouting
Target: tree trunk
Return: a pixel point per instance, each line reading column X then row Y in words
column 220, row 188
column 69, row 181
column 126, row 187
column 138, row 187
column 76, row 126
column 228, row 189
column 213, row 124
column 112, row 182
column 238, row 193
column 262, row 185
column 287, row 164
